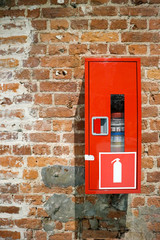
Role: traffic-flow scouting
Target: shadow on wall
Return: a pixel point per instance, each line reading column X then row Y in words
column 89, row 216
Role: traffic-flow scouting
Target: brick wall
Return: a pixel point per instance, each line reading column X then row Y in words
column 43, row 46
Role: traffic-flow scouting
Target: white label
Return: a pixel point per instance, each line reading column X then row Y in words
column 60, row 1
column 89, row 157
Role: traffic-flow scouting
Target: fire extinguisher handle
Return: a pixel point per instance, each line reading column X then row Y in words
column 117, row 159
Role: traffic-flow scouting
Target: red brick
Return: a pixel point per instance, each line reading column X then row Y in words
column 155, row 49
column 62, row 125
column 67, row 99
column 154, row 99
column 58, row 225
column 153, row 74
column 61, row 37
column 60, row 24
column 104, row 11
column 44, row 137
column 153, row 177
column 137, row 49
column 9, row 63
column 99, row 2
column 57, row 49
column 150, row 61
column 116, row 214
column 30, row 174
column 34, row 199
column 4, row 234
column 98, row 234
column 31, row 62
column 18, row 113
column 25, row 98
column 21, row 150
column 138, row 201
column 154, row 201
column 149, row 137
column 117, row 49
column 40, row 74
column 56, row 112
column 154, row 24
column 94, row 49
column 9, row 188
column 41, row 149
column 6, row 222
column 59, row 12
column 13, row 39
column 58, row 150
column 34, row 13
column 40, row 235
column 39, row 24
column 71, row 226
column 42, row 125
column 31, row 87
column 138, row 23
column 28, row 223
column 62, row 73
column 118, row 24
column 41, row 98
column 149, row 112
column 9, row 209
column 45, row 161
column 12, row 13
column 31, row 2
column 77, row 49
column 99, row 37
column 158, row 162
column 155, row 124
column 99, row 24
column 79, row 24
column 23, row 74
column 61, row 236
column 154, row 150
column 154, row 227
column 61, row 61
column 73, row 138
column 5, row 149
column 25, row 187
column 41, row 212
column 11, row 161
column 38, row 49
column 149, row 86
column 140, row 37
column 147, row 189
column 10, row 87
column 58, row 86
column 147, row 162
column 139, row 11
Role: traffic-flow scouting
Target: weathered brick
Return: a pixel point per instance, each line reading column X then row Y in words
column 62, row 125
column 30, row 174
column 137, row 49
column 31, row 2
column 98, row 234
column 58, row 150
column 13, row 39
column 61, row 236
column 5, row 149
column 8, row 136
column 44, row 137
column 149, row 112
column 147, row 162
column 138, row 23
column 9, row 209
column 79, row 24
column 154, row 226
column 11, row 161
column 104, row 11
column 31, row 62
column 77, row 49
column 57, row 49
column 38, row 49
column 149, row 86
column 155, row 49
column 149, row 137
column 59, row 12
column 22, row 150
column 40, row 235
column 42, row 125
column 39, row 24
column 33, row 13
column 147, row 189
column 41, row 149
column 67, row 99
column 73, row 138
column 154, row 150
column 140, row 37
column 4, row 234
column 154, row 99
column 60, row 24
column 61, row 61
column 61, row 37
column 40, row 74
column 99, row 24
column 139, row 11
column 23, row 74
column 99, row 2
column 153, row 74
column 25, row 187
column 137, row 201
column 117, row 49
column 56, row 112
column 118, row 24
column 12, row 13
column 154, row 24
column 94, row 49
column 62, row 73
column 45, row 161
column 9, row 188
column 153, row 176
column 99, row 37
column 9, row 63
column 28, row 223
column 58, row 86
column 155, row 124
column 41, row 98
column 149, row 61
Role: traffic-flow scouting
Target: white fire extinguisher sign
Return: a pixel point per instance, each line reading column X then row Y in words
column 117, row 170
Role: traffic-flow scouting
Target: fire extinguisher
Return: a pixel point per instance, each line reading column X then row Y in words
column 117, row 170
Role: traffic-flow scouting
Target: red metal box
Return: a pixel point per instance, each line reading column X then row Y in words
column 112, row 125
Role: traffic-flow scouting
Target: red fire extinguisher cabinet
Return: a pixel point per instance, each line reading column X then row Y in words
column 112, row 125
